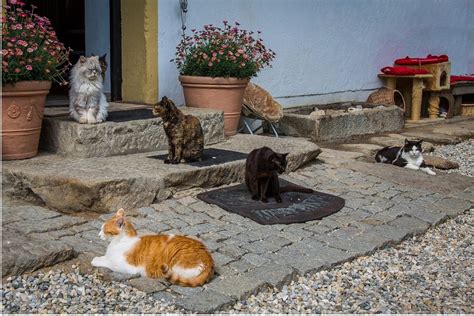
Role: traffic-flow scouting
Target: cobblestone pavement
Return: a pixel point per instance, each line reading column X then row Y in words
column 431, row 273
column 384, row 205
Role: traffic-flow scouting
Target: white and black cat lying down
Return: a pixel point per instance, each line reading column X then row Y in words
column 409, row 156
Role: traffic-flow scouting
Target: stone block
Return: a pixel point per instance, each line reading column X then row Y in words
column 206, row 301
column 104, row 184
column 274, row 275
column 341, row 125
column 69, row 138
column 236, row 286
column 21, row 254
column 147, row 285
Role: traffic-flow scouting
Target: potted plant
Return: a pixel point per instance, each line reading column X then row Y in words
column 215, row 66
column 32, row 57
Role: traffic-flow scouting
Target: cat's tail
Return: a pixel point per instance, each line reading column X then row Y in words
column 177, row 279
column 295, row 188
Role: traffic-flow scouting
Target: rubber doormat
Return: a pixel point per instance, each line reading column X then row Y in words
column 130, row 115
column 295, row 208
column 211, row 156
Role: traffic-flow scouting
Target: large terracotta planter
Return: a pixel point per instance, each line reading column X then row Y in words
column 23, row 107
column 225, row 94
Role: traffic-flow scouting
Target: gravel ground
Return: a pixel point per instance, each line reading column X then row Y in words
column 462, row 153
column 58, row 292
column 425, row 274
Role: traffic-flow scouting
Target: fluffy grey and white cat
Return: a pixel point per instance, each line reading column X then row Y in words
column 87, row 102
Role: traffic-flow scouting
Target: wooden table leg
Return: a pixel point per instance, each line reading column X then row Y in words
column 416, row 95
column 433, row 105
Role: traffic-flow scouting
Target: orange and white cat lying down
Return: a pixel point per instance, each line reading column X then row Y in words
column 181, row 260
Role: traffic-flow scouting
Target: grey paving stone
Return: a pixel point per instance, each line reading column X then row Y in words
column 186, row 291
column 110, row 275
column 214, row 236
column 205, row 302
column 221, row 260
column 236, row 286
column 187, row 200
column 454, row 206
column 22, row 210
column 176, row 223
column 278, row 241
column 82, row 245
column 293, row 236
column 410, row 225
column 147, row 211
column 426, row 212
column 260, row 247
column 22, row 254
column 225, row 271
column 232, row 251
column 256, row 260
column 44, row 225
column 352, row 240
column 147, row 285
column 211, row 210
column 241, row 266
column 200, row 229
column 274, row 275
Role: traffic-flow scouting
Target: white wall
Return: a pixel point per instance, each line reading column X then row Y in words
column 97, row 32
column 328, row 50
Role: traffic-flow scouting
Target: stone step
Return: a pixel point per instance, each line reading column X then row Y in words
column 103, row 184
column 128, row 130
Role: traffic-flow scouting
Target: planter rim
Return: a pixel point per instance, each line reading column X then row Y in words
column 26, row 85
column 212, row 80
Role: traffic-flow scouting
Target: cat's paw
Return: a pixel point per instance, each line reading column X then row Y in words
column 278, row 199
column 431, row 172
column 92, row 121
column 255, row 197
column 175, row 161
column 83, row 120
column 99, row 262
column 99, row 121
column 264, row 200
column 167, row 161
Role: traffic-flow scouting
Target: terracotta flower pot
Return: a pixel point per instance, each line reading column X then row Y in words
column 23, row 107
column 225, row 94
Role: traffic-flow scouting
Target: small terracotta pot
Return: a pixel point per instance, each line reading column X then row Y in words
column 225, row 94
column 23, row 108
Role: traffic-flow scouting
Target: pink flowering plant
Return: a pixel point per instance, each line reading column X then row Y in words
column 30, row 47
column 222, row 52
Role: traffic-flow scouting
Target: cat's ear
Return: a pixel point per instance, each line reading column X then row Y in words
column 103, row 56
column 120, row 213
column 120, row 222
column 165, row 98
column 82, row 59
column 406, row 141
column 285, row 155
column 420, row 141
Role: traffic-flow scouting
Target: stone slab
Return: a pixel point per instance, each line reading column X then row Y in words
column 66, row 137
column 342, row 125
column 103, row 184
column 21, row 254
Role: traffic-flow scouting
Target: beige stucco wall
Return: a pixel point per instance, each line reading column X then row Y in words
column 140, row 51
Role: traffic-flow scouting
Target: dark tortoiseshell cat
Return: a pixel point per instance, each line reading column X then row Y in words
column 261, row 175
column 184, row 132
column 103, row 65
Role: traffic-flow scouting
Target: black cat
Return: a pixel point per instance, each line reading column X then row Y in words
column 261, row 175
column 409, row 156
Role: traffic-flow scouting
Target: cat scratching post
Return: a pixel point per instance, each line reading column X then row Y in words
column 439, row 81
column 412, row 93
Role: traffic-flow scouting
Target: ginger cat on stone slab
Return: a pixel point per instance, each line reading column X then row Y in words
column 181, row 260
